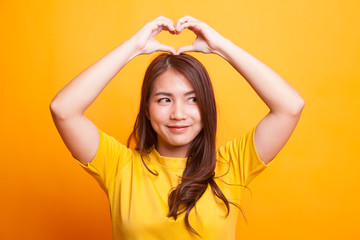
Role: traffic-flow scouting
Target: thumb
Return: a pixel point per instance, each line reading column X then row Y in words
column 188, row 48
column 166, row 48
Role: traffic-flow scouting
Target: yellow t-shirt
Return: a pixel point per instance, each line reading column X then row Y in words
column 139, row 200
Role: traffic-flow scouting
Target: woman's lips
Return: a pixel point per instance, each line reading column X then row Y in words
column 178, row 129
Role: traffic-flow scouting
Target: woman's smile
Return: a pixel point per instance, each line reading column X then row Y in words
column 178, row 129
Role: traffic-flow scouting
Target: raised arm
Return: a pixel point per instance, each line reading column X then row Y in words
column 284, row 102
column 79, row 134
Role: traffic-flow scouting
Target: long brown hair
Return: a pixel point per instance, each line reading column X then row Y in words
column 201, row 161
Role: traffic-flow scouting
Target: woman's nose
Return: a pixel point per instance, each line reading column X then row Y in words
column 177, row 111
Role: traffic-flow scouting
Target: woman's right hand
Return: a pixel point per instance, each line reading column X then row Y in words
column 144, row 40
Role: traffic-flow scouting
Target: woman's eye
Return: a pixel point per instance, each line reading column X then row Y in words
column 192, row 99
column 163, row 100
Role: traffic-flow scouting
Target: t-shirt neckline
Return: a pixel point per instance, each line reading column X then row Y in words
column 168, row 162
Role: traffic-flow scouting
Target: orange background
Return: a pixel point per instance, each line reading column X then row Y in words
column 311, row 190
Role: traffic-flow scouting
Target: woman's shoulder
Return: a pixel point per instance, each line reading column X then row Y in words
column 237, row 145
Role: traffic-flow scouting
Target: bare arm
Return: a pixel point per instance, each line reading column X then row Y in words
column 284, row 102
column 79, row 134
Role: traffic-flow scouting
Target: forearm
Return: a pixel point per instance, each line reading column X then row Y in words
column 82, row 91
column 277, row 94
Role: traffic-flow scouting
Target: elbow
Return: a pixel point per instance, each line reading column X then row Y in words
column 55, row 110
column 291, row 108
column 64, row 108
column 58, row 110
column 297, row 107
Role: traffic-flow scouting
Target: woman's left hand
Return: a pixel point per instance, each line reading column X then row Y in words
column 207, row 40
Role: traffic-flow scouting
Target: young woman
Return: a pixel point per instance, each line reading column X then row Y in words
column 175, row 184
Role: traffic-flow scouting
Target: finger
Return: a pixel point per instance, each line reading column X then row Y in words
column 161, row 23
column 168, row 27
column 160, row 26
column 165, row 23
column 162, row 18
column 190, row 25
column 165, row 18
column 185, row 19
column 166, row 48
column 188, row 48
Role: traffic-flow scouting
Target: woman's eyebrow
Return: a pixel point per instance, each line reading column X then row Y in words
column 163, row 93
column 190, row 92
column 170, row 94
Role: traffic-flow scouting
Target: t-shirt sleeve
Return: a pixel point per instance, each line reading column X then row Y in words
column 110, row 157
column 242, row 158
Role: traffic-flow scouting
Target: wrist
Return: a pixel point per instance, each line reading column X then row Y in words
column 132, row 48
column 224, row 48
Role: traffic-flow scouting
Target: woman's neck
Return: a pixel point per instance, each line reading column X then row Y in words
column 167, row 150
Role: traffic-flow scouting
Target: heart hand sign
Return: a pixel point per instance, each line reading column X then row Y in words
column 207, row 40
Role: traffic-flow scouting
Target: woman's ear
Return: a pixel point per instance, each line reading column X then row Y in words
column 147, row 115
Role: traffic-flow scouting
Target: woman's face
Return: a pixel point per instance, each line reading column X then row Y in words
column 174, row 114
